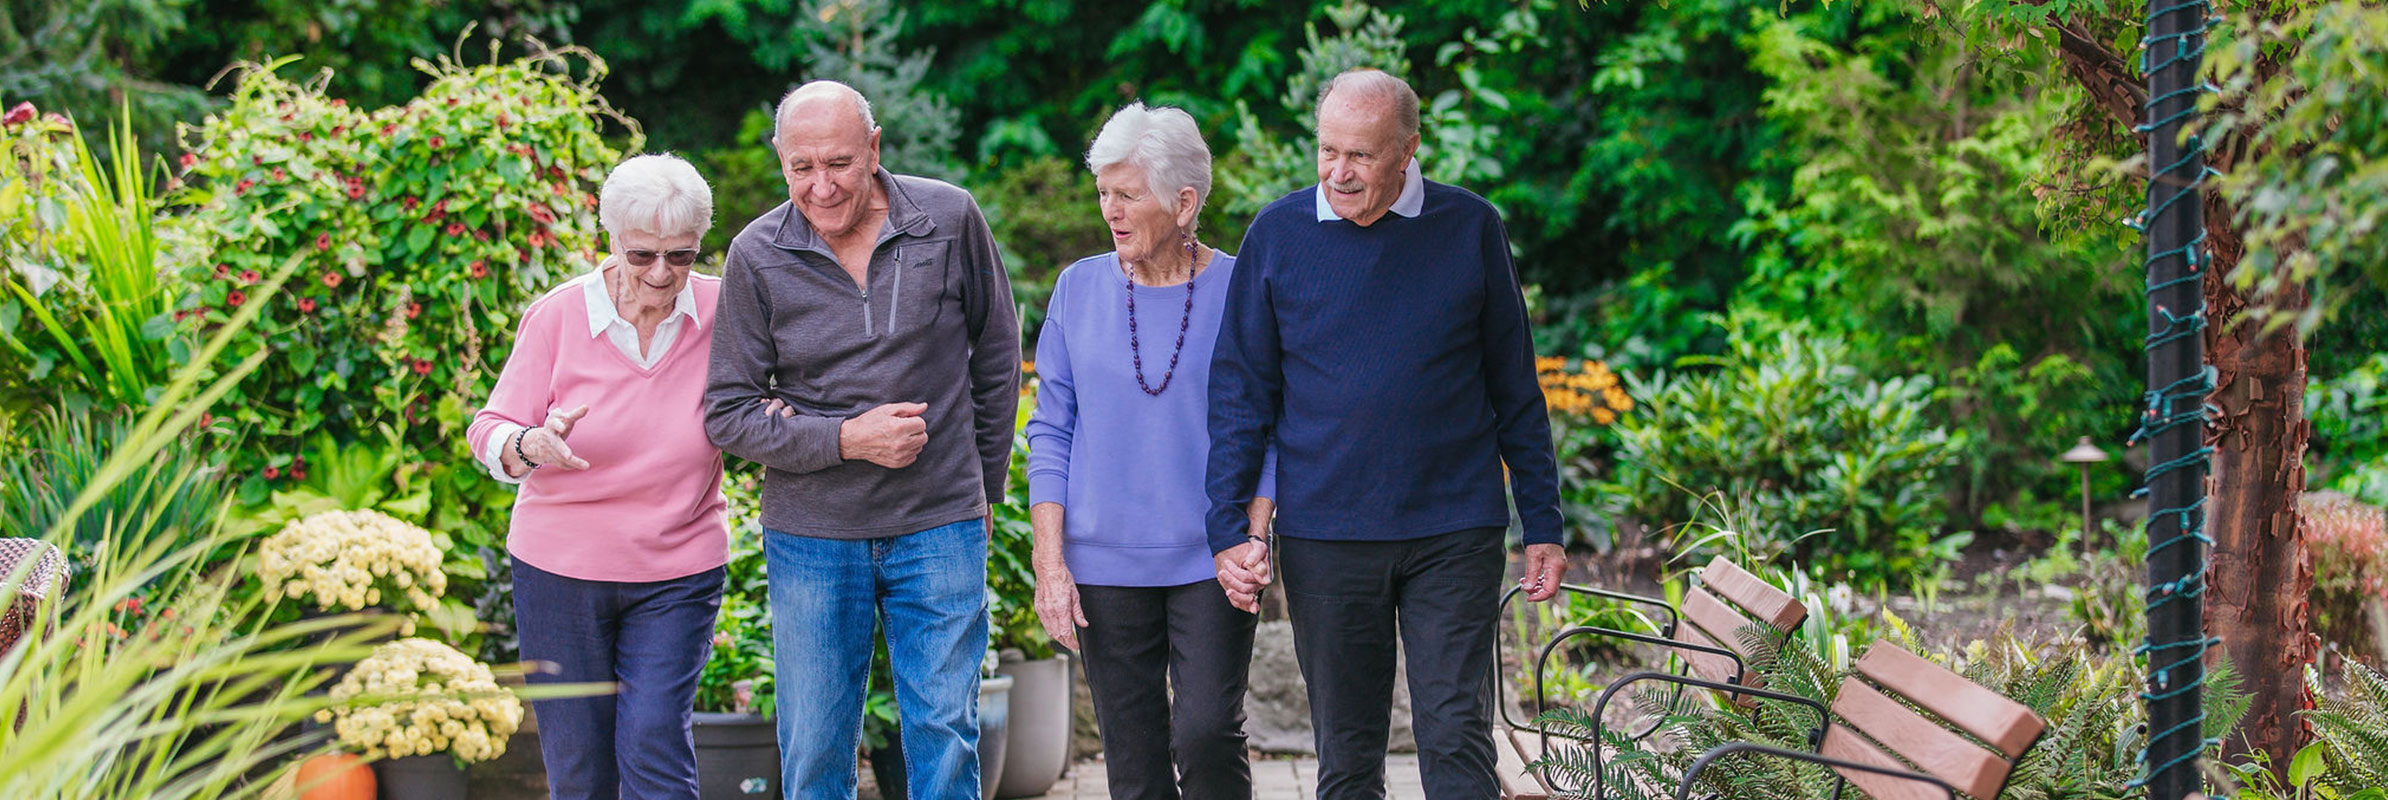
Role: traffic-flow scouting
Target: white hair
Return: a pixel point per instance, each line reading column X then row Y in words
column 787, row 105
column 655, row 194
column 1164, row 142
column 1376, row 84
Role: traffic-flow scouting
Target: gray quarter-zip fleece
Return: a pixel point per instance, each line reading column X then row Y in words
column 933, row 323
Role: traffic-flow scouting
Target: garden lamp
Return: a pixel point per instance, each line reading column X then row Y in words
column 2084, row 454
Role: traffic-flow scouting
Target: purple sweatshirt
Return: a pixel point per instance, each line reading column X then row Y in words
column 1126, row 466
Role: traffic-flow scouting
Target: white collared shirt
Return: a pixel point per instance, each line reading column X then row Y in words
column 605, row 320
column 1411, row 201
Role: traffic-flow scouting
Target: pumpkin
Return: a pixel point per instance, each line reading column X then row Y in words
column 334, row 776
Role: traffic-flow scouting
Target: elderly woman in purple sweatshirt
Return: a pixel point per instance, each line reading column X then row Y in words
column 1117, row 448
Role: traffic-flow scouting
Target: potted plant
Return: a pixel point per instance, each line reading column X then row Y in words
column 353, row 560
column 737, row 743
column 421, row 710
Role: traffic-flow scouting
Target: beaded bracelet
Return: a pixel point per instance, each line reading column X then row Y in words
column 518, row 448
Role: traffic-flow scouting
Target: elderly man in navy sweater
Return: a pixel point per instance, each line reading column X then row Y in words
column 1375, row 330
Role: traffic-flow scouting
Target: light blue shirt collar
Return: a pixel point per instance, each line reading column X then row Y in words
column 1411, row 201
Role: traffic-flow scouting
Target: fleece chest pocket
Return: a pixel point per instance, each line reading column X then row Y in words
column 917, row 294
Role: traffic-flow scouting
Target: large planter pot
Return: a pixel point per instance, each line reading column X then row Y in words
column 737, row 756
column 994, row 724
column 431, row 777
column 1038, row 747
column 994, row 711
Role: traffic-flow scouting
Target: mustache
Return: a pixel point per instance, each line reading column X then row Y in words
column 1346, row 186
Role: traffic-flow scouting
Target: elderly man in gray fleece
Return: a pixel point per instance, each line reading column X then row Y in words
column 874, row 305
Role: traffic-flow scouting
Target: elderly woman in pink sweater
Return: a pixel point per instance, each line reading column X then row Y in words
column 618, row 537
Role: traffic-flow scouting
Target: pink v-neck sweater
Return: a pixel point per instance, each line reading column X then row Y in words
column 649, row 506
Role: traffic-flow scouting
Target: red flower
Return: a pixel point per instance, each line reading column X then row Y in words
column 541, row 214
column 556, row 189
column 356, row 190
column 410, row 203
column 223, row 270
column 331, row 280
column 338, row 102
column 272, row 472
column 248, row 276
column 18, row 113
column 456, row 229
column 306, row 305
column 206, row 419
column 298, row 462
column 390, row 129
column 339, row 129
column 257, row 161
column 297, row 474
column 243, row 186
column 480, row 269
column 589, row 200
column 451, row 101
column 439, row 141
column 502, row 121
column 414, row 310
column 480, row 236
column 422, row 367
column 305, row 136
column 188, row 160
column 556, row 173
column 440, row 207
column 538, row 239
column 278, row 173
column 323, row 241
column 235, row 298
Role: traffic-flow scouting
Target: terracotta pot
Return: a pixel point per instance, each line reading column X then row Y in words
column 333, row 776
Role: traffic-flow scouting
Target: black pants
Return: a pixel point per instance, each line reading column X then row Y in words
column 1441, row 595
column 1140, row 644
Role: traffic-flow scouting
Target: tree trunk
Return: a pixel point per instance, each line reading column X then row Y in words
column 2256, row 595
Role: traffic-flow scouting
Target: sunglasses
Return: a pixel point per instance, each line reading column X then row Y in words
column 678, row 258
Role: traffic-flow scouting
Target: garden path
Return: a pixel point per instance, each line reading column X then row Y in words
column 1272, row 779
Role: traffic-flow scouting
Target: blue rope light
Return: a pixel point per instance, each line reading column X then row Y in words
column 2183, row 402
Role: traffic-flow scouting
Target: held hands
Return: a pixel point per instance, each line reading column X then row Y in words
column 1057, row 605
column 544, row 445
column 1244, row 569
column 890, row 435
column 1546, row 566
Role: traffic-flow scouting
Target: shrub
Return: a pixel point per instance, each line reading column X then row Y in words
column 83, row 307
column 1584, row 398
column 422, row 229
column 1785, row 429
column 2349, row 543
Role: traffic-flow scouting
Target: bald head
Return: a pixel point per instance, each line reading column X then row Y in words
column 829, row 107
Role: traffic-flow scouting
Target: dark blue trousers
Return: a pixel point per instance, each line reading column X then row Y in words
column 650, row 638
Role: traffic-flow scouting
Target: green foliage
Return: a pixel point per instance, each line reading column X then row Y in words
column 83, row 304
column 1920, row 235
column 193, row 700
column 178, row 496
column 2354, row 730
column 2307, row 196
column 739, row 677
column 2350, row 430
column 1044, row 218
column 853, row 41
column 1011, row 579
column 1789, row 431
column 91, row 58
column 422, row 228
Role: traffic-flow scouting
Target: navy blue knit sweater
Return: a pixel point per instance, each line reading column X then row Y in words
column 1393, row 366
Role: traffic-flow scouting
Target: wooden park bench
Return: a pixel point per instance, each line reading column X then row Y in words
column 1899, row 728
column 1703, row 634
column 1900, row 737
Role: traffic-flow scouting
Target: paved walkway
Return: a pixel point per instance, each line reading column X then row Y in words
column 1272, row 779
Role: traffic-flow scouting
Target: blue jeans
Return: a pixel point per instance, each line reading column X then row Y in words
column 930, row 588
column 653, row 638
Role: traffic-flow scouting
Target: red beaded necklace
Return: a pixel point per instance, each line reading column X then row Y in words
column 1136, row 353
